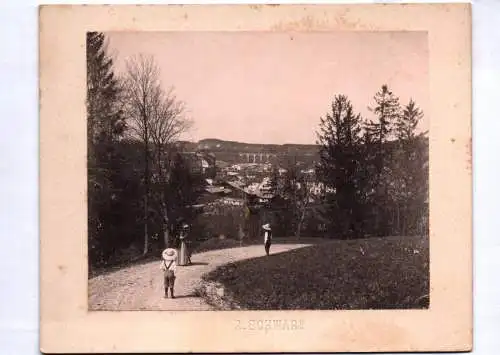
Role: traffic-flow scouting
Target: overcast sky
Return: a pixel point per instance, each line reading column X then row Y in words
column 273, row 87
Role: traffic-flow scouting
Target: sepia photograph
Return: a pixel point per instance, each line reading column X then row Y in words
column 296, row 178
column 257, row 170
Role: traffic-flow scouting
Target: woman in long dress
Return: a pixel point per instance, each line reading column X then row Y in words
column 184, row 252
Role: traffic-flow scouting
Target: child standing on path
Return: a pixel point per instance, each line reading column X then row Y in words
column 267, row 237
column 168, row 265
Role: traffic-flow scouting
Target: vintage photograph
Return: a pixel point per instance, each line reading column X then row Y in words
column 296, row 175
column 257, row 170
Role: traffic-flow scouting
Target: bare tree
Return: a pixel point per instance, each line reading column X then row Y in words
column 168, row 123
column 156, row 118
column 142, row 91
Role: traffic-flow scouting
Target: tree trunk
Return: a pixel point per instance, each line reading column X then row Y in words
column 146, row 192
column 166, row 230
column 405, row 221
column 241, row 234
column 297, row 232
column 377, row 220
column 398, row 220
column 166, row 235
column 299, row 224
column 146, row 238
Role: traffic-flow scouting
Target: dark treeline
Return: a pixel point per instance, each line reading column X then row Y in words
column 371, row 177
column 139, row 185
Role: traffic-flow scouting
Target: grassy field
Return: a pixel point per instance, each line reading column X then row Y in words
column 376, row 273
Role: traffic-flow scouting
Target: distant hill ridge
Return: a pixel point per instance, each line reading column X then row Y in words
column 213, row 144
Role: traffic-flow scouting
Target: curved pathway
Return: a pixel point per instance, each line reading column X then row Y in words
column 140, row 287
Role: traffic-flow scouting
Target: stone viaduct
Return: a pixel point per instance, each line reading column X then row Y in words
column 258, row 157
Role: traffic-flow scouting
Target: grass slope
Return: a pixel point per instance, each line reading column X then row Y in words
column 378, row 273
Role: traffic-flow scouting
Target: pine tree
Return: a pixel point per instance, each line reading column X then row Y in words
column 105, row 127
column 340, row 139
column 105, row 120
column 379, row 133
column 406, row 123
column 410, row 173
column 387, row 111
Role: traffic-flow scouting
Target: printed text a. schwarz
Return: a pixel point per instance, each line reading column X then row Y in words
column 270, row 324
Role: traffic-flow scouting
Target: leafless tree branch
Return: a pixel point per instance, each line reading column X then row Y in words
column 156, row 118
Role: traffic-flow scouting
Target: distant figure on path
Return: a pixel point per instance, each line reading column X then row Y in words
column 168, row 265
column 267, row 237
column 184, row 255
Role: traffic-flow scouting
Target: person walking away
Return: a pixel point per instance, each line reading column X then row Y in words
column 184, row 258
column 267, row 237
column 169, row 265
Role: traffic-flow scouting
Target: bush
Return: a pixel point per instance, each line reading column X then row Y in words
column 222, row 220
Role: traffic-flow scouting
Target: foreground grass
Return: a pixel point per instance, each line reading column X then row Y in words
column 377, row 273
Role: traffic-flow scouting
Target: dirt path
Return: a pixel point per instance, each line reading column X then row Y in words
column 141, row 287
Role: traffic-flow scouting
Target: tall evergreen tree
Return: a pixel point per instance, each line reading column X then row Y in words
column 387, row 110
column 409, row 170
column 406, row 123
column 378, row 135
column 378, row 132
column 105, row 121
column 340, row 139
column 105, row 127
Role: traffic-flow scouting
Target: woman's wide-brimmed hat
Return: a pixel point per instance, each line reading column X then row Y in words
column 169, row 254
column 267, row 227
